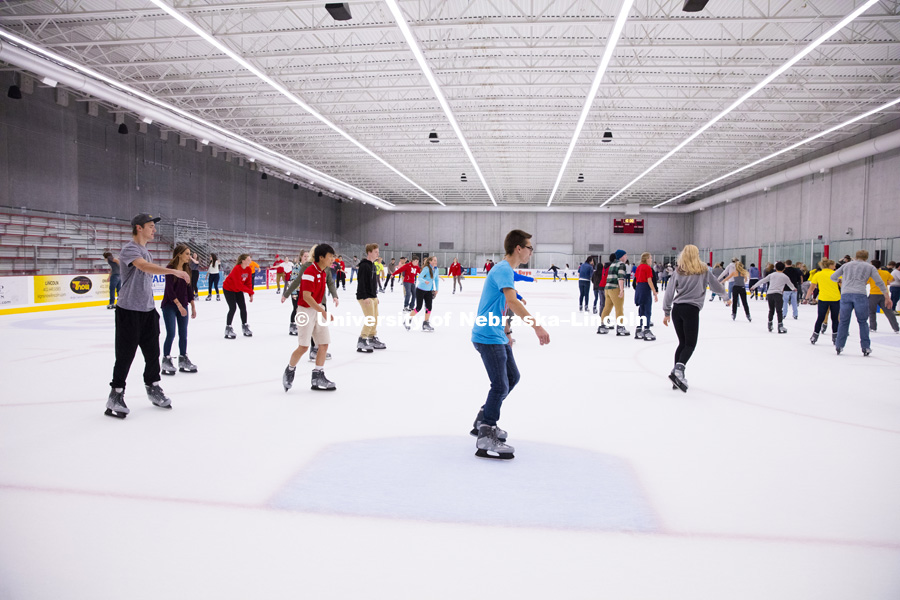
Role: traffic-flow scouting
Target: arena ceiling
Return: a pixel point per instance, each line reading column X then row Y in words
column 350, row 98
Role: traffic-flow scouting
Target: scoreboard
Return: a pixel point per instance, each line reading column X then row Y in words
column 628, row 226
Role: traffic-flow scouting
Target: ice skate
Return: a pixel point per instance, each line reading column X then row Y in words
column 218, row 298
column 733, row 316
column 407, row 323
column 208, row 298
column 749, row 318
column 157, row 396
column 814, row 338
column 427, row 328
column 621, row 331
column 489, row 445
column 639, row 334
column 115, row 405
column 287, row 379
column 292, row 330
column 246, row 329
column 321, row 383
column 648, row 336
column 770, row 326
column 501, row 435
column 362, row 345
column 603, row 330
column 229, row 333
column 110, row 306
column 185, row 365
column 834, row 338
column 838, row 349
column 677, row 377
column 781, row 328
column 866, row 351
column 167, row 368
column 377, row 344
column 314, row 352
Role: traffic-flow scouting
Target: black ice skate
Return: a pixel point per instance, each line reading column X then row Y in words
column 246, row 329
column 648, row 336
column 320, row 382
column 834, row 338
column 218, row 298
column 407, row 323
column 603, row 330
column 426, row 327
column 770, row 326
column 292, row 330
column 377, row 344
column 824, row 328
column 781, row 328
column 362, row 345
column 838, row 349
column 867, row 351
column 185, row 365
column 621, row 331
column 115, row 405
column 208, row 298
column 639, row 334
column 157, row 396
column 501, row 435
column 287, row 380
column 814, row 338
column 167, row 368
column 229, row 333
column 677, row 377
column 489, row 445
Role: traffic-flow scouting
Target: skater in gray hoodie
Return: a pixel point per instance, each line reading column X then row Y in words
column 854, row 276
column 684, row 299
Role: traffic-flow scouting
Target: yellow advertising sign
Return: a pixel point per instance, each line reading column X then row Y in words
column 70, row 288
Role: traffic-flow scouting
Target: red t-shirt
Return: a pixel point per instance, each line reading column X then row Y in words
column 409, row 271
column 312, row 281
column 643, row 273
column 340, row 265
column 239, row 280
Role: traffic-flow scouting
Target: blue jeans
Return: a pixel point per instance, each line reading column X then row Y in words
column 860, row 304
column 115, row 284
column 173, row 318
column 504, row 375
column 409, row 295
column 790, row 299
column 895, row 295
column 584, row 293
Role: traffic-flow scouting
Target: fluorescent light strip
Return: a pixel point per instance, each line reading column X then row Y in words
column 788, row 149
column 429, row 75
column 790, row 63
column 139, row 94
column 595, row 87
column 184, row 20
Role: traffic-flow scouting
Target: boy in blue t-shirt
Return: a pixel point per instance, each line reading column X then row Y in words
column 488, row 337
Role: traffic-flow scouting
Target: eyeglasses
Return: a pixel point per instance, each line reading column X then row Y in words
column 529, row 248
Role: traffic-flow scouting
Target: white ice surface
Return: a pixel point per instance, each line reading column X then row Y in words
column 776, row 476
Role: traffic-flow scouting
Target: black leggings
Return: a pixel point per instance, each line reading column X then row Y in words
column 294, row 298
column 213, row 281
column 235, row 300
column 739, row 292
column 195, row 277
column 824, row 306
column 425, row 296
column 776, row 305
column 686, row 319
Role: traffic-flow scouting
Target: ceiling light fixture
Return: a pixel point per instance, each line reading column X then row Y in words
column 14, row 92
column 204, row 142
column 339, row 11
column 581, row 178
column 264, row 176
column 61, row 61
column 611, row 42
column 607, row 136
column 147, row 120
column 432, row 81
column 296, row 187
column 783, row 150
column 123, row 128
column 51, row 82
column 433, row 137
column 282, row 90
column 796, row 58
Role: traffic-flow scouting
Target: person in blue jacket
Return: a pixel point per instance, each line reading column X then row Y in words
column 585, row 271
column 426, row 290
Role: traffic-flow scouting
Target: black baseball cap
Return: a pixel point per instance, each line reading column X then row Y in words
column 143, row 218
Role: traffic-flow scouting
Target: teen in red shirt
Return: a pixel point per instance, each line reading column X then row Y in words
column 239, row 281
column 455, row 271
column 643, row 287
column 410, row 272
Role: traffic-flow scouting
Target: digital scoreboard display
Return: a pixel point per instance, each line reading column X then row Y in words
column 628, row 226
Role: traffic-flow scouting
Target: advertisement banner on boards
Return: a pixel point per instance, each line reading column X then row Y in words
column 71, row 288
column 14, row 291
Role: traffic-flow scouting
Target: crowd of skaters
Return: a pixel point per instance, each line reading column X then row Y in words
column 853, row 285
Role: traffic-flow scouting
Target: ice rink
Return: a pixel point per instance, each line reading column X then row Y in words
column 776, row 476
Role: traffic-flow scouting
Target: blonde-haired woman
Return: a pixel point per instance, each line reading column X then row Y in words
column 684, row 299
column 643, row 288
column 739, row 289
column 426, row 290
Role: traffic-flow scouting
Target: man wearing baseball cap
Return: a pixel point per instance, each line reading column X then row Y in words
column 137, row 322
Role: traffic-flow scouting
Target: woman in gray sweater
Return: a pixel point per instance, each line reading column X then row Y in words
column 684, row 299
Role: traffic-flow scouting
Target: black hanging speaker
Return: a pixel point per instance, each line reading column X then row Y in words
column 340, row 11
column 694, row 5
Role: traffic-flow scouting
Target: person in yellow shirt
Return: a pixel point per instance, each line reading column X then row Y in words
column 829, row 299
column 876, row 300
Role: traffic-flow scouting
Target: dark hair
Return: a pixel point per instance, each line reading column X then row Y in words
column 515, row 238
column 178, row 250
column 876, row 263
column 752, row 264
column 612, row 257
column 589, row 260
column 779, row 266
column 321, row 251
column 788, row 263
column 213, row 259
column 241, row 259
column 107, row 254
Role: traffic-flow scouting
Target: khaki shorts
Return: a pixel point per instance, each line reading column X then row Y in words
column 308, row 327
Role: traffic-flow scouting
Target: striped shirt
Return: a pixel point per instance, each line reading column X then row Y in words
column 616, row 273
